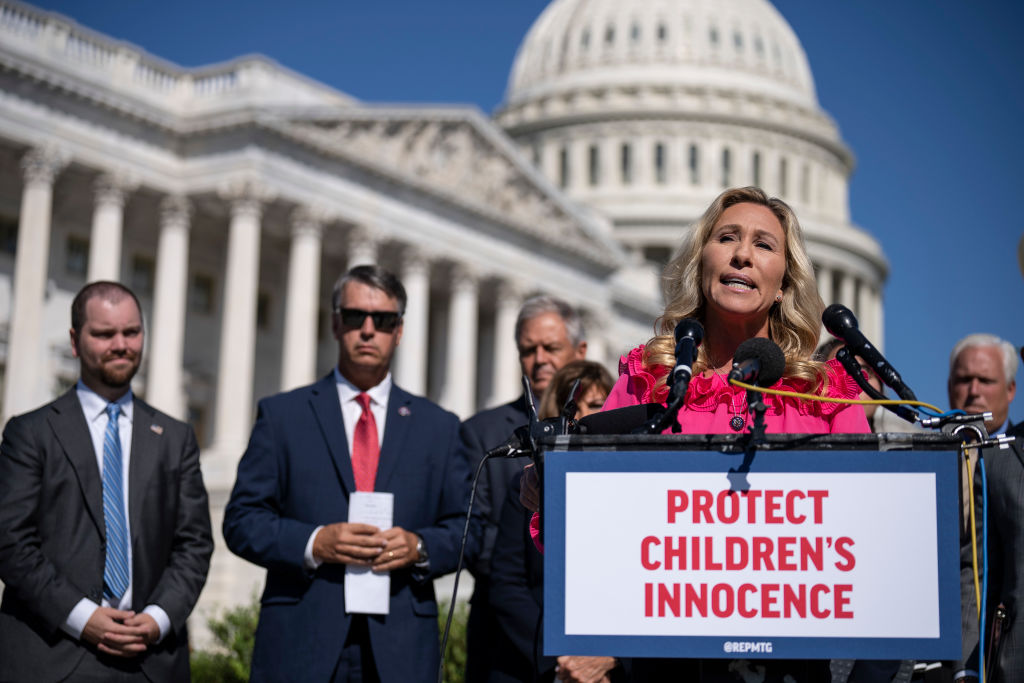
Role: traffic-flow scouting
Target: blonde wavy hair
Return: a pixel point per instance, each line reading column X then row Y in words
column 793, row 324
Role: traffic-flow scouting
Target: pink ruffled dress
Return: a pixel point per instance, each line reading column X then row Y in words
column 711, row 403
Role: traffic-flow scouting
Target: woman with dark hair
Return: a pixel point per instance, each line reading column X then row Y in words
column 595, row 383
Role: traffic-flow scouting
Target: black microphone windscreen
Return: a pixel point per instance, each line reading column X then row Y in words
column 618, row 421
column 689, row 327
column 837, row 319
column 768, row 354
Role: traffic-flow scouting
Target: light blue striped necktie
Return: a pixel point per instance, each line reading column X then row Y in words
column 115, row 571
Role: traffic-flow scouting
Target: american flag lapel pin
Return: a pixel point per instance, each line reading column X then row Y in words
column 156, row 429
column 404, row 411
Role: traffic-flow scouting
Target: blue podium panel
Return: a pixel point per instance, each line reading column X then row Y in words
column 809, row 554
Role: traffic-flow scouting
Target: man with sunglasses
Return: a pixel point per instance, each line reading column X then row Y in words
column 310, row 450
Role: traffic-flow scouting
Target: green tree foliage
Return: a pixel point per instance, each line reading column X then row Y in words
column 234, row 632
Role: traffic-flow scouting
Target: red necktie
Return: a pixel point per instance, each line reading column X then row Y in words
column 365, row 447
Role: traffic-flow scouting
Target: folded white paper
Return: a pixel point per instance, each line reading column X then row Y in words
column 366, row 591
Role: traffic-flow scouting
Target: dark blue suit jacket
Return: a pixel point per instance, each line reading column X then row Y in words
column 295, row 475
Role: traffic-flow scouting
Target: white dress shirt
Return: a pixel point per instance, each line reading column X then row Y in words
column 351, row 410
column 94, row 407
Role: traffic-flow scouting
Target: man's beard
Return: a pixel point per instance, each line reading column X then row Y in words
column 120, row 377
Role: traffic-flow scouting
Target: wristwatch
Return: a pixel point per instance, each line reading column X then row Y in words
column 424, row 558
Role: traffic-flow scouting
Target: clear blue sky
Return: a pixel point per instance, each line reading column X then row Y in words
column 927, row 93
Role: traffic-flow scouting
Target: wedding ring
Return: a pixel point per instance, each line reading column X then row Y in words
column 391, row 554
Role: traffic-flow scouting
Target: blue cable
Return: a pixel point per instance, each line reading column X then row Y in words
column 984, row 568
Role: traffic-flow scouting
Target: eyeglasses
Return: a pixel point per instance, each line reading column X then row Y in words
column 383, row 321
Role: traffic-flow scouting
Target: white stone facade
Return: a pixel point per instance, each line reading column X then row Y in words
column 230, row 198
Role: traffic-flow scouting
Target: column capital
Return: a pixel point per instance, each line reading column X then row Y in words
column 507, row 292
column 308, row 220
column 246, row 194
column 463, row 277
column 415, row 258
column 176, row 208
column 44, row 163
column 113, row 187
column 359, row 235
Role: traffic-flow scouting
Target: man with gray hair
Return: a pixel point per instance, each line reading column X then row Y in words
column 981, row 379
column 982, row 368
column 549, row 334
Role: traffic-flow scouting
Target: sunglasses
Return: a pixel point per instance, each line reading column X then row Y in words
column 383, row 321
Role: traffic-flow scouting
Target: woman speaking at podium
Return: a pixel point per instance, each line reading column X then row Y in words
column 742, row 272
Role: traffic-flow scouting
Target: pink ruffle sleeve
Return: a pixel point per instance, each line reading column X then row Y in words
column 710, row 402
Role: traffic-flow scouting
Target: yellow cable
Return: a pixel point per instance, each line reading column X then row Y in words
column 829, row 399
column 974, row 536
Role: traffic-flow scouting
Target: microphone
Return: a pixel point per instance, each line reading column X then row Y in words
column 517, row 445
column 689, row 334
column 619, row 420
column 842, row 324
column 758, row 361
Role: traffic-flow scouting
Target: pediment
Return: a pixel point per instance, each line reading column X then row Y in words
column 464, row 158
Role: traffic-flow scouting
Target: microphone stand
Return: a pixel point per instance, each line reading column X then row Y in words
column 757, row 408
column 852, row 367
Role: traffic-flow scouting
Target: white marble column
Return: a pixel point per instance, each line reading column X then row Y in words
column 825, row 286
column 848, row 292
column 876, row 316
column 597, row 346
column 165, row 383
column 107, row 227
column 411, row 356
column 362, row 247
column 507, row 382
column 24, row 384
column 233, row 412
column 460, row 383
column 302, row 303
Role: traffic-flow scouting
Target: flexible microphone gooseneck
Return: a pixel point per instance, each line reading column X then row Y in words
column 842, row 324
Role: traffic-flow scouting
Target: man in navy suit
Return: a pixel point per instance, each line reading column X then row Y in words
column 310, row 449
column 549, row 334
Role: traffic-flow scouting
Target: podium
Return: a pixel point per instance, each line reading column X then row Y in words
column 809, row 547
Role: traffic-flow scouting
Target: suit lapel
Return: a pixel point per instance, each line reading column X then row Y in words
column 67, row 421
column 145, row 457
column 327, row 409
column 396, row 430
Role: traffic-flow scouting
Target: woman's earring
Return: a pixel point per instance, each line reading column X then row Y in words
column 778, row 298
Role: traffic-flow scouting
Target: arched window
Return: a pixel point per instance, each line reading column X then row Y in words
column 594, row 165
column 660, row 164
column 805, row 183
column 563, row 167
column 609, row 34
column 783, row 177
column 755, row 169
column 694, row 165
column 726, row 167
column 627, row 163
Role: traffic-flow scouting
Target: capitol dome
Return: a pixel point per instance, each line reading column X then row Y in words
column 645, row 110
column 663, row 44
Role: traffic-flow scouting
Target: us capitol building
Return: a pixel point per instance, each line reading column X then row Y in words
column 231, row 196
